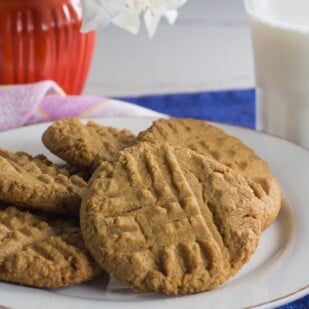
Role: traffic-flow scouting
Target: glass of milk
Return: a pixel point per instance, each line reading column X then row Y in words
column 280, row 37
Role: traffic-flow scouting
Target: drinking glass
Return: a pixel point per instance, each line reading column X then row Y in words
column 280, row 39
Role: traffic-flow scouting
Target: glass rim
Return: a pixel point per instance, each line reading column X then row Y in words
column 250, row 9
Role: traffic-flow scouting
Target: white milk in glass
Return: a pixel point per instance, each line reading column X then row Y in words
column 280, row 36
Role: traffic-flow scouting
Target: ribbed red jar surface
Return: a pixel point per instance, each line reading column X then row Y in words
column 41, row 39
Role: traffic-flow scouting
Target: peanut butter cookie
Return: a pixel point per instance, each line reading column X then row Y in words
column 207, row 139
column 169, row 220
column 85, row 146
column 43, row 252
column 36, row 183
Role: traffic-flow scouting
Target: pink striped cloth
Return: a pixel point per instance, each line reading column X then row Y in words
column 46, row 101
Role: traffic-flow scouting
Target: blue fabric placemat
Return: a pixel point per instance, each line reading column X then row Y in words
column 236, row 107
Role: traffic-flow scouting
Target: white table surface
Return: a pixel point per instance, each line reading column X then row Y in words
column 209, row 48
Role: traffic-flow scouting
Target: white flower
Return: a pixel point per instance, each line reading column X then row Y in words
column 126, row 13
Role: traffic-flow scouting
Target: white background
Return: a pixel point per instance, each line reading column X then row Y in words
column 209, row 48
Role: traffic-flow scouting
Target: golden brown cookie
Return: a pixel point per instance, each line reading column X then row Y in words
column 43, row 252
column 207, row 139
column 36, row 183
column 85, row 146
column 169, row 220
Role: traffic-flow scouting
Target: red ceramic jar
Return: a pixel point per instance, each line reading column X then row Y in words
column 41, row 39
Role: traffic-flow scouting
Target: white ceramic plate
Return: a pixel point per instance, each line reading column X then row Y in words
column 277, row 273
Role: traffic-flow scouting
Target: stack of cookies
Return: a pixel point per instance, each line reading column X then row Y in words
column 178, row 209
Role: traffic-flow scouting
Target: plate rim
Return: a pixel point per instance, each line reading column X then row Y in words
column 215, row 123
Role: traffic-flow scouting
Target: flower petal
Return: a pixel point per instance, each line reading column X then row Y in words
column 128, row 20
column 98, row 13
column 151, row 22
column 171, row 16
